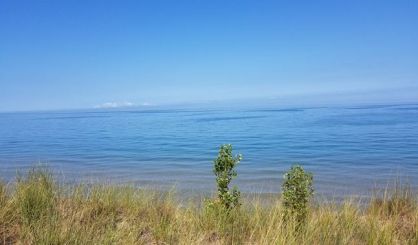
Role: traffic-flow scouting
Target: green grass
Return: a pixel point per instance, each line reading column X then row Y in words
column 37, row 210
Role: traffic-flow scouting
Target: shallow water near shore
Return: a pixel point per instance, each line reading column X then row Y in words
column 350, row 150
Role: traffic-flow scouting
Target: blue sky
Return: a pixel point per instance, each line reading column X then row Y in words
column 81, row 54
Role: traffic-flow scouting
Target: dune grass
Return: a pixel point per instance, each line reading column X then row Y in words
column 37, row 210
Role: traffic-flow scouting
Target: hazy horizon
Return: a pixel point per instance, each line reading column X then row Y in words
column 332, row 99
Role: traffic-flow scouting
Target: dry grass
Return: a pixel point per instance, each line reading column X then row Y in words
column 36, row 210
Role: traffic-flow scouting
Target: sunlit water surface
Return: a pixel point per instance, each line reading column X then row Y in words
column 349, row 150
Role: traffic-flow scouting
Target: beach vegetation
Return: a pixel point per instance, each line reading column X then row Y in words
column 224, row 168
column 38, row 209
column 297, row 191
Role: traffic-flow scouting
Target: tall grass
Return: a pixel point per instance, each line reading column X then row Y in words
column 37, row 210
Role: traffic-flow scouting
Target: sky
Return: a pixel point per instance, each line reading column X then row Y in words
column 89, row 54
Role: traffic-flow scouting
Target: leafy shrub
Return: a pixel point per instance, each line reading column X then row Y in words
column 297, row 190
column 224, row 169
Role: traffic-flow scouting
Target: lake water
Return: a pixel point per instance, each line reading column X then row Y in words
column 349, row 150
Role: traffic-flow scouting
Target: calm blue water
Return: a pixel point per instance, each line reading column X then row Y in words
column 349, row 150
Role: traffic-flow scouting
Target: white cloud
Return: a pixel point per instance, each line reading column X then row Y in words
column 108, row 105
column 146, row 104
